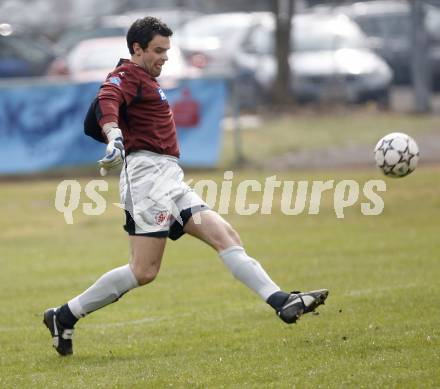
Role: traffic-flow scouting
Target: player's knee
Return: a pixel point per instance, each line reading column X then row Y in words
column 146, row 277
column 229, row 237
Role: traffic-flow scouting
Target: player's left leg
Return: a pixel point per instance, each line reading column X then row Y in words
column 145, row 260
column 216, row 232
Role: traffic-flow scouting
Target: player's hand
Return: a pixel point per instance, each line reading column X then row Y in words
column 113, row 157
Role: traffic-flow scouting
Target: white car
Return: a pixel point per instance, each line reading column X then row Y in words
column 209, row 42
column 93, row 59
column 329, row 60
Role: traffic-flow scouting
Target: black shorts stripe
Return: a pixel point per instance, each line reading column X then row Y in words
column 176, row 229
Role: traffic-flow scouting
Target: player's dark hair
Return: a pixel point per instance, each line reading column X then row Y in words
column 143, row 31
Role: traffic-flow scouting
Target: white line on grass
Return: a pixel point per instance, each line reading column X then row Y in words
column 105, row 325
column 364, row 292
column 352, row 293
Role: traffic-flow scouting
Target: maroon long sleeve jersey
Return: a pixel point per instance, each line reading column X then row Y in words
column 133, row 99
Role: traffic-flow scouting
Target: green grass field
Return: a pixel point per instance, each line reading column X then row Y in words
column 195, row 326
column 279, row 134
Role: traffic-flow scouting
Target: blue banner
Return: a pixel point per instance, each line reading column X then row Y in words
column 41, row 126
column 199, row 107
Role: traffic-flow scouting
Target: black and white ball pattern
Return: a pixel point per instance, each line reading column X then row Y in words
column 396, row 154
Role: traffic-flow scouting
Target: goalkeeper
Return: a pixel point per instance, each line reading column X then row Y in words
column 138, row 127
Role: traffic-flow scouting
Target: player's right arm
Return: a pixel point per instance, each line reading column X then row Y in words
column 116, row 90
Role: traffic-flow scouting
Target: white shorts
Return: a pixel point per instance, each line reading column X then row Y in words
column 156, row 200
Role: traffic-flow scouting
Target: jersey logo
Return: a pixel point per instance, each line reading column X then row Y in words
column 161, row 94
column 115, row 80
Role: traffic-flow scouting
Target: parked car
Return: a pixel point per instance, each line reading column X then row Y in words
column 22, row 56
column 329, row 60
column 93, row 59
column 210, row 42
column 387, row 23
column 118, row 25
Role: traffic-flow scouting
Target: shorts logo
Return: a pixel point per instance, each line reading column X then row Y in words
column 162, row 217
column 115, row 80
column 161, row 94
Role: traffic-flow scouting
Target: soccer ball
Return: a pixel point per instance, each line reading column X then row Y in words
column 396, row 154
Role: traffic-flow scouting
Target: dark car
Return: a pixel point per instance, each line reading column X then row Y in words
column 22, row 56
column 387, row 23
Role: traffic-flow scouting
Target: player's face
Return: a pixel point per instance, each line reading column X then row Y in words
column 155, row 55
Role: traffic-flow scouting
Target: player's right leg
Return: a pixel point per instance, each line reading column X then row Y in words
column 146, row 256
column 215, row 231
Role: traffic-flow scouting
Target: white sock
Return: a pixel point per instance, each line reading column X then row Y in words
column 248, row 271
column 108, row 289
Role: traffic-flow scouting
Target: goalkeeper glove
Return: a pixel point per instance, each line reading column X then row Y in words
column 115, row 153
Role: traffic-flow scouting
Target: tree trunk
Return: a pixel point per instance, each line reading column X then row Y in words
column 282, row 89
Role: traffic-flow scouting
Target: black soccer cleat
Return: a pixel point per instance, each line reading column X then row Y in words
column 62, row 337
column 299, row 303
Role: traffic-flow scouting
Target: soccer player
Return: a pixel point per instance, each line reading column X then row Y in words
column 135, row 117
